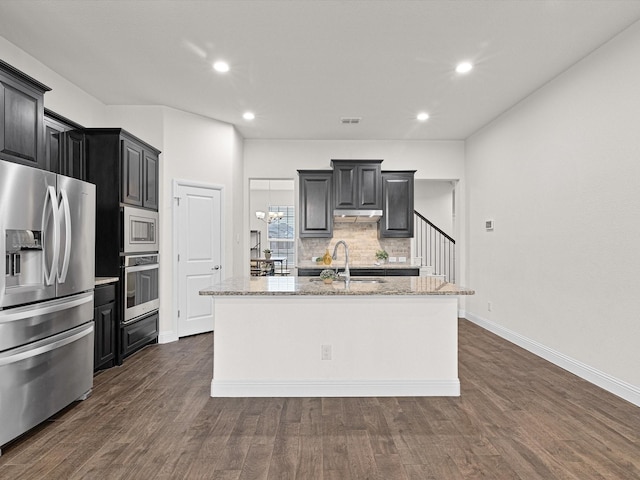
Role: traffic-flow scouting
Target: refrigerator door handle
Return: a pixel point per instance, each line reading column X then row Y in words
column 47, row 347
column 3, row 249
column 50, row 276
column 21, row 313
column 66, row 215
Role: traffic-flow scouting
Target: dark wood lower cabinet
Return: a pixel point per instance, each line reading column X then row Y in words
column 105, row 315
column 136, row 335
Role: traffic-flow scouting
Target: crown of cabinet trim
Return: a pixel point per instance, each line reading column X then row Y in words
column 23, row 77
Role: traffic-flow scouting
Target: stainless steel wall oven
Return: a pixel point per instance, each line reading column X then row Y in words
column 140, row 279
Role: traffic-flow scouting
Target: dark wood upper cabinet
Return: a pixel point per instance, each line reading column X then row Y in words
column 53, row 132
column 124, row 168
column 316, row 206
column 398, row 208
column 150, row 179
column 21, row 117
column 132, row 189
column 357, row 184
column 64, row 146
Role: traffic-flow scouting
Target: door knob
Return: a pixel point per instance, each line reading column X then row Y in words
column 217, row 267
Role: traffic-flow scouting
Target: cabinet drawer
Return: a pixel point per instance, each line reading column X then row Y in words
column 137, row 334
column 104, row 294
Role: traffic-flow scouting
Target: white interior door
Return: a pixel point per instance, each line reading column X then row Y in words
column 199, row 212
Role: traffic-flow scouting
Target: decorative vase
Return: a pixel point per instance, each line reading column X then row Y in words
column 326, row 259
column 267, row 255
column 327, row 280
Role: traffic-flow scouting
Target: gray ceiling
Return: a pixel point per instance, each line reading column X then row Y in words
column 301, row 65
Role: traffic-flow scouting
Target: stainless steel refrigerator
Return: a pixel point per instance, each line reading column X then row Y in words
column 47, row 231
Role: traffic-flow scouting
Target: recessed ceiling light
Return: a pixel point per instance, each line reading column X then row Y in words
column 423, row 116
column 464, row 67
column 248, row 115
column 221, row 67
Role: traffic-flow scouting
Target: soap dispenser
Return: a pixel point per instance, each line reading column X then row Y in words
column 326, row 259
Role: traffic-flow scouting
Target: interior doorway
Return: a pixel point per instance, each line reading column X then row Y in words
column 272, row 221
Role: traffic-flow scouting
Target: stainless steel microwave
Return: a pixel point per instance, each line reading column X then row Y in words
column 140, row 230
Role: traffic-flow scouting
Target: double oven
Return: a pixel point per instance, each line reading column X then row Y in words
column 139, row 279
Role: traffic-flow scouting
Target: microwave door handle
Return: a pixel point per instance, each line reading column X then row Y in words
column 51, row 206
column 66, row 215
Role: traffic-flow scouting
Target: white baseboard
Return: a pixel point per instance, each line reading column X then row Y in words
column 167, row 337
column 603, row 380
column 335, row 388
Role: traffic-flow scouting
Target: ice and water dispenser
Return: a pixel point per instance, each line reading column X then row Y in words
column 23, row 257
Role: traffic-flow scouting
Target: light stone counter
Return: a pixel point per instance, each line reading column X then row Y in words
column 298, row 337
column 387, row 286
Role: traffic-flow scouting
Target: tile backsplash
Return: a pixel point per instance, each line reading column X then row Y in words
column 363, row 242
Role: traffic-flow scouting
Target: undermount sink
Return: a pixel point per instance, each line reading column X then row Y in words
column 352, row 280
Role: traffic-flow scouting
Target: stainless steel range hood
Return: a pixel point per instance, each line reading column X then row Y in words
column 356, row 216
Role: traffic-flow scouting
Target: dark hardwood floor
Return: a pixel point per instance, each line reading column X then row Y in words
column 519, row 417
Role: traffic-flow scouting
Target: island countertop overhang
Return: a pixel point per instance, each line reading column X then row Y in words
column 310, row 286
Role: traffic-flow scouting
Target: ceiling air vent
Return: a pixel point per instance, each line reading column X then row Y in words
column 350, row 120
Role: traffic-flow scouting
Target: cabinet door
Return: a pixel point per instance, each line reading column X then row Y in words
column 105, row 332
column 131, row 164
column 345, row 181
column 369, row 187
column 397, row 217
column 53, row 141
column 316, row 209
column 357, row 184
column 150, row 183
column 73, row 161
column 21, row 127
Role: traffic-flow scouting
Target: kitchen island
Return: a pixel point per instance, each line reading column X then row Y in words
column 296, row 336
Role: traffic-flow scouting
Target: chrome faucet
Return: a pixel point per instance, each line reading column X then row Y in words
column 347, row 274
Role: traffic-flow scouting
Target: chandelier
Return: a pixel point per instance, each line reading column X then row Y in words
column 269, row 217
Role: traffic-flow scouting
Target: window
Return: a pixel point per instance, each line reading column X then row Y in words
column 282, row 233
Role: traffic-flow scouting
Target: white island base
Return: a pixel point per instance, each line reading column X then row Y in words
column 273, row 346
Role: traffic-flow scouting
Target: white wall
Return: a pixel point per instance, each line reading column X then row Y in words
column 434, row 200
column 207, row 151
column 559, row 175
column 282, row 158
column 65, row 98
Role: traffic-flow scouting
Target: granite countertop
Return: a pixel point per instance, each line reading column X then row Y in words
column 353, row 266
column 105, row 280
column 278, row 286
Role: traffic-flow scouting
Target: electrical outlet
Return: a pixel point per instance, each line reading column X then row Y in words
column 392, row 259
column 489, row 306
column 326, row 352
column 402, row 259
